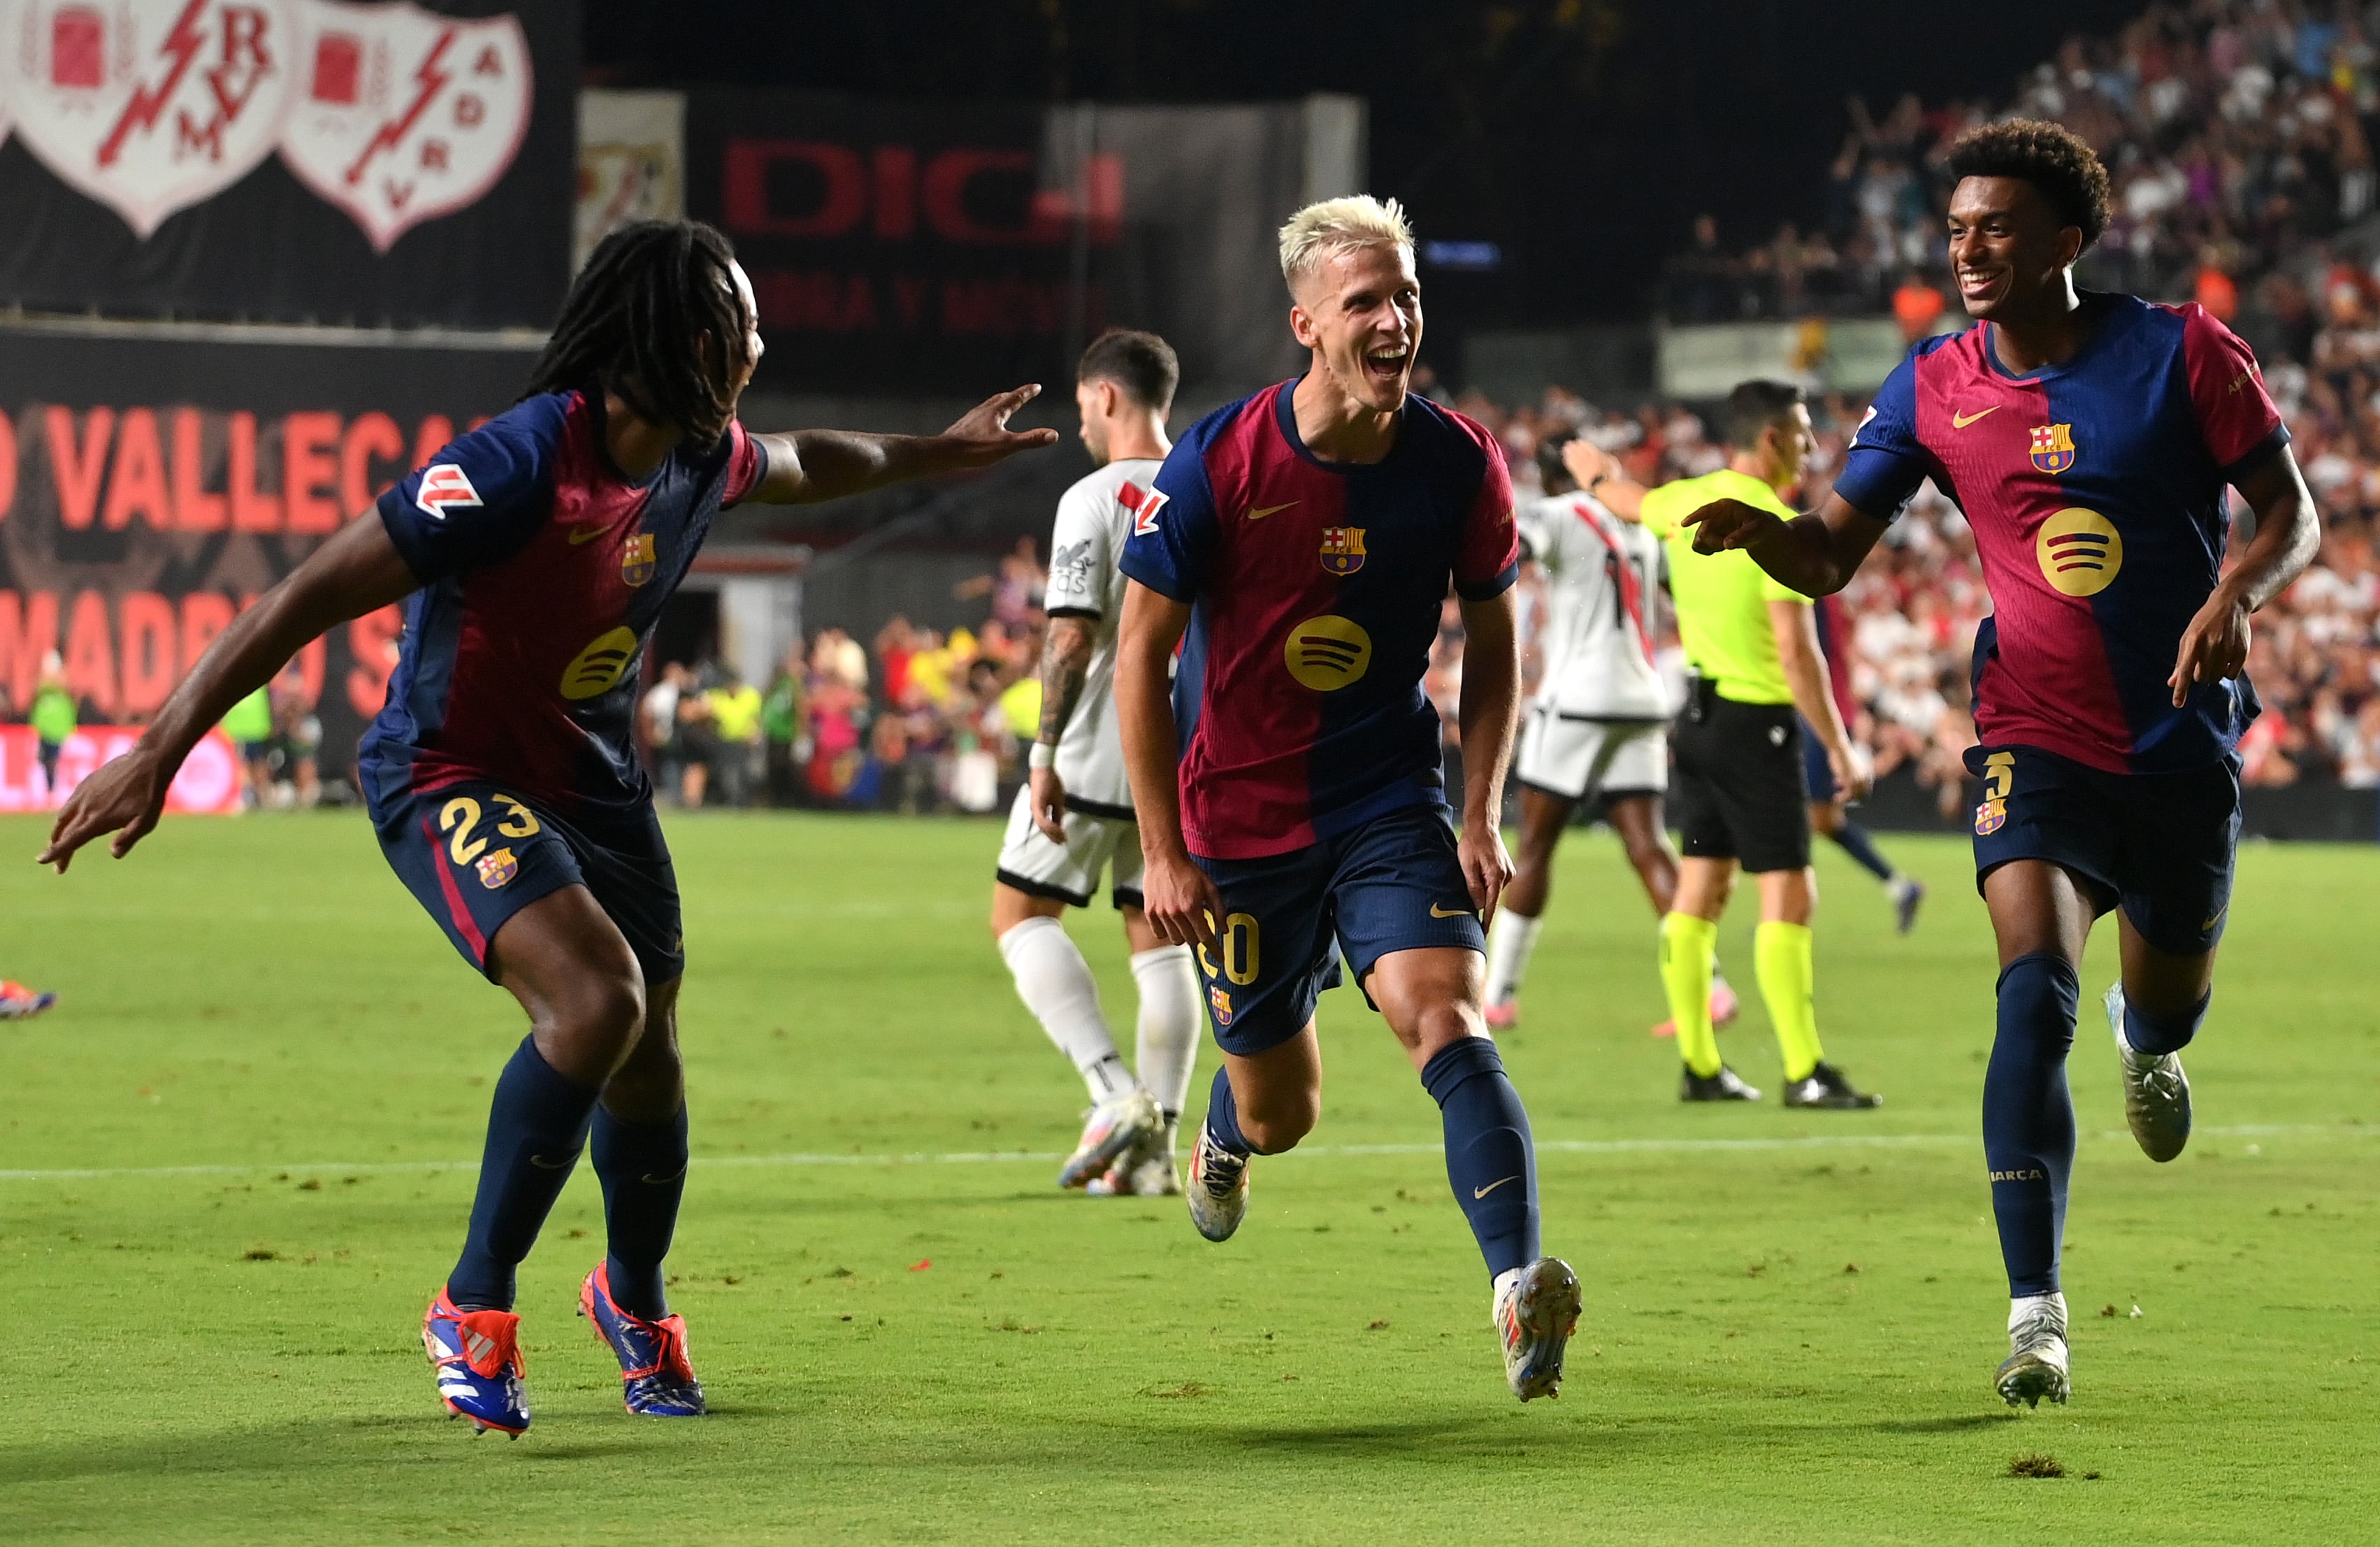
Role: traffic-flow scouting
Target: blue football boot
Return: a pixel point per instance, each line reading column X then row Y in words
column 657, row 1377
column 476, row 1356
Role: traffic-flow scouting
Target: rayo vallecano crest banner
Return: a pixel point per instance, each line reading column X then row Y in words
column 267, row 159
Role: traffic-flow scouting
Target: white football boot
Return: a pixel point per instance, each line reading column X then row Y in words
column 1218, row 1190
column 1536, row 1310
column 1112, row 1129
column 2036, row 1361
column 2157, row 1093
column 1145, row 1171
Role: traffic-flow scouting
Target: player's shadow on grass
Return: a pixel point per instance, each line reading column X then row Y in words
column 1954, row 1424
column 1451, row 1435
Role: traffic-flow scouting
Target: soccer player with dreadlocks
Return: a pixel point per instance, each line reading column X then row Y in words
column 2089, row 438
column 534, row 557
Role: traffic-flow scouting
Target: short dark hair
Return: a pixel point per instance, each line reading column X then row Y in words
column 635, row 321
column 2053, row 158
column 1753, row 407
column 1552, row 470
column 1141, row 363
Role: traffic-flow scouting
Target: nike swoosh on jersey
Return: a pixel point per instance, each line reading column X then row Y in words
column 1478, row 1193
column 1259, row 513
column 1438, row 912
column 586, row 534
column 1960, row 421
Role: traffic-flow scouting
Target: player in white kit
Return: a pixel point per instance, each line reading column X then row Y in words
column 1072, row 820
column 1598, row 725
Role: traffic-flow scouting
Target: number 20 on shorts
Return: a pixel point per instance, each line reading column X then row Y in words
column 1239, row 944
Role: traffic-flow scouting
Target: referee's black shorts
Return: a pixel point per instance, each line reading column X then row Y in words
column 1740, row 792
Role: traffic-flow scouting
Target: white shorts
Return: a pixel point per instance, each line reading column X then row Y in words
column 1070, row 873
column 1579, row 760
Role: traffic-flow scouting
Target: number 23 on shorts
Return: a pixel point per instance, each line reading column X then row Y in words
column 467, row 845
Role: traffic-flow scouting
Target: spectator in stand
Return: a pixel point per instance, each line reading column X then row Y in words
column 698, row 742
column 782, row 726
column 249, row 725
column 1917, row 306
column 52, row 717
column 664, row 755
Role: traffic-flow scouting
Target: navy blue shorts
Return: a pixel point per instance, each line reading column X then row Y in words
column 1392, row 884
column 1815, row 770
column 473, row 855
column 2160, row 846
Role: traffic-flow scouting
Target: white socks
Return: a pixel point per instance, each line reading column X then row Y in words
column 1055, row 983
column 1509, row 945
column 1170, row 1018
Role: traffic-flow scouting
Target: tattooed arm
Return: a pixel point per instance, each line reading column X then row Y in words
column 1065, row 662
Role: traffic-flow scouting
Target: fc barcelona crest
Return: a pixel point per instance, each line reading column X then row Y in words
column 2053, row 448
column 1222, row 1005
column 1343, row 549
column 1990, row 817
column 497, row 866
column 637, row 563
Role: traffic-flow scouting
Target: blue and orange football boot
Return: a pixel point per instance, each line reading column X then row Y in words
column 20, row 1002
column 476, row 1356
column 656, row 1376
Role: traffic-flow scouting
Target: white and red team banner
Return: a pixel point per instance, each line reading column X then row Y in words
column 392, row 113
column 207, row 785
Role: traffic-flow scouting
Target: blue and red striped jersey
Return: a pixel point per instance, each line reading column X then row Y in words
column 2095, row 490
column 1316, row 588
column 544, row 571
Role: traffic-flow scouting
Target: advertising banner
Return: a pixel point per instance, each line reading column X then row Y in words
column 304, row 161
column 207, row 785
column 947, row 249
column 151, row 484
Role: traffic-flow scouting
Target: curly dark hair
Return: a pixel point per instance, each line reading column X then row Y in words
column 636, row 320
column 2051, row 157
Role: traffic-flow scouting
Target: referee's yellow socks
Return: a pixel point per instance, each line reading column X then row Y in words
column 1689, row 949
column 1780, row 954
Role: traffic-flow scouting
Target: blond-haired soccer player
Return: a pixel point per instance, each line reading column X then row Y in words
column 1072, row 820
column 1298, row 547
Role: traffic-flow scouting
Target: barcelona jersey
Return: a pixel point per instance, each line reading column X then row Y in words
column 544, row 571
column 2095, row 492
column 1316, row 588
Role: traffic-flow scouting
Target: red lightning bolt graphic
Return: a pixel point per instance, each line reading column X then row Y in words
column 140, row 113
column 391, row 135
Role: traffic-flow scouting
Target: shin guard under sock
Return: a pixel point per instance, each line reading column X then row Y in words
column 537, row 1123
column 2029, row 1116
column 642, row 1167
column 1489, row 1159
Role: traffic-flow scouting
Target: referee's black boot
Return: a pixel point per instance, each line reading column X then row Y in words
column 1724, row 1086
column 1825, row 1087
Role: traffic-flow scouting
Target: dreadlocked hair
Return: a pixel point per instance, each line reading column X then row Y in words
column 636, row 320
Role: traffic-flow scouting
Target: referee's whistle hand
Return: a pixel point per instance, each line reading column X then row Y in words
column 1724, row 524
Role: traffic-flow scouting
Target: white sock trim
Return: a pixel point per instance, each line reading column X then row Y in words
column 1170, row 1018
column 1510, row 945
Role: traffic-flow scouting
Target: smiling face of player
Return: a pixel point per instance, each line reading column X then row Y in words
column 2010, row 252
column 1359, row 311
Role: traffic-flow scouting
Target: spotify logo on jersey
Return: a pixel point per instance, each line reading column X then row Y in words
column 2080, row 552
column 598, row 668
column 1328, row 652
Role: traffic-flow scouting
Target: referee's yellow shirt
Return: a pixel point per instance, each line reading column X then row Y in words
column 1722, row 599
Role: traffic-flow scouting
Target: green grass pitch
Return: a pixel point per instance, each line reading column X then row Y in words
column 237, row 1160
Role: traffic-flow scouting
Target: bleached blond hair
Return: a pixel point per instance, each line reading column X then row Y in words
column 1321, row 231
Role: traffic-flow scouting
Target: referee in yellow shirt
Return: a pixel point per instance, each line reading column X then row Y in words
column 1741, row 798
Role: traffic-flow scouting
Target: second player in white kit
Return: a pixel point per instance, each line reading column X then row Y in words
column 1073, row 820
column 1597, row 730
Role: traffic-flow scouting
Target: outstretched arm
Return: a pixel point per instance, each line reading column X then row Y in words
column 1490, row 707
column 809, row 466
column 2288, row 534
column 1815, row 553
column 1181, row 903
column 357, row 571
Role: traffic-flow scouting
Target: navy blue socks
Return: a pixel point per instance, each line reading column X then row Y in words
column 1489, row 1159
column 1853, row 840
column 1223, row 1114
column 642, row 1167
column 2029, row 1116
column 536, row 1126
column 2150, row 1033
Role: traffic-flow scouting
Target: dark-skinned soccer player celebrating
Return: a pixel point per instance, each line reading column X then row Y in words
column 2089, row 439
column 533, row 556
